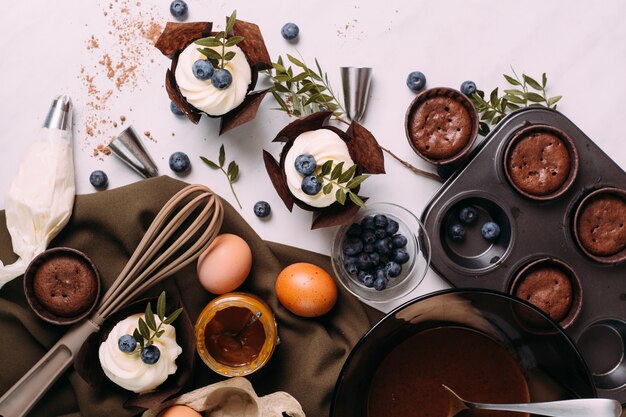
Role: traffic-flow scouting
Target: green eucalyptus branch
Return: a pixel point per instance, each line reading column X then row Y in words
column 220, row 40
column 345, row 181
column 147, row 330
column 231, row 173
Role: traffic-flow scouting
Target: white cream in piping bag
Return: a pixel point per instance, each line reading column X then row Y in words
column 201, row 93
column 324, row 145
column 39, row 201
column 127, row 369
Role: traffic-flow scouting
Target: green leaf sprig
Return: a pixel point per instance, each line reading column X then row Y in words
column 147, row 330
column 302, row 91
column 345, row 181
column 525, row 92
column 223, row 40
column 232, row 172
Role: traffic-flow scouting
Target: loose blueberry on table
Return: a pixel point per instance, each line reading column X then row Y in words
column 150, row 354
column 179, row 162
column 456, row 232
column 178, row 9
column 99, row 179
column 374, row 252
column 490, row 231
column 262, row 209
column 176, row 110
column 416, row 81
column 290, row 31
column 468, row 88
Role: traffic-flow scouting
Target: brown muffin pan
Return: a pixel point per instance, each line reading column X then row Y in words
column 541, row 233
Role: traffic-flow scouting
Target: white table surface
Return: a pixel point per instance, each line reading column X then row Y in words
column 44, row 44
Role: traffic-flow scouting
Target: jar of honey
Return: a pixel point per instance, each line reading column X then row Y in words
column 236, row 334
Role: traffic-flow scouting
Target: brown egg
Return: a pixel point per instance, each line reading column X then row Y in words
column 306, row 290
column 179, row 411
column 225, row 265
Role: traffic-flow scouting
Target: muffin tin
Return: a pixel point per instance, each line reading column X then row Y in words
column 532, row 230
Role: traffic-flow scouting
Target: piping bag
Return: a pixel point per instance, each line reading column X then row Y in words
column 40, row 198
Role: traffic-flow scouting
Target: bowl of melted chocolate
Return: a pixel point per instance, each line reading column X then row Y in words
column 469, row 340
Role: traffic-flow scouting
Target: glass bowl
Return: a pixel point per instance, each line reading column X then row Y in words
column 552, row 366
column 413, row 272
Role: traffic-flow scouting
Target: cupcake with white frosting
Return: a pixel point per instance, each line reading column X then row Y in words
column 214, row 73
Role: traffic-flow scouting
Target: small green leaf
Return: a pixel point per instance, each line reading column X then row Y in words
column 544, row 80
column 170, row 319
column 326, row 168
column 143, row 329
column 356, row 181
column 161, row 306
column 210, row 163
column 138, row 337
column 511, row 80
column 279, row 68
column 222, row 157
column 340, row 196
column 513, row 106
column 299, row 77
column 533, row 97
column 280, row 102
column 150, row 321
column 502, row 106
column 209, row 53
column 496, row 120
column 234, row 40
column 281, row 88
column 230, row 24
column 312, row 99
column 307, row 87
column 514, row 99
column 336, row 171
column 483, row 128
column 229, row 55
column 210, row 42
column 553, row 100
column 356, row 199
column 295, row 61
column 514, row 92
column 282, row 78
column 493, row 98
column 219, row 35
column 160, row 333
column 328, row 188
column 233, row 175
column 534, row 84
column 346, row 176
column 488, row 115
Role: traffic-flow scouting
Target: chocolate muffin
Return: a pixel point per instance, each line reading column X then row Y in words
column 539, row 163
column 65, row 285
column 440, row 127
column 548, row 288
column 601, row 225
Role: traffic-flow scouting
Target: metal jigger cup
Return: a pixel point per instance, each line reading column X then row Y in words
column 356, row 86
column 128, row 147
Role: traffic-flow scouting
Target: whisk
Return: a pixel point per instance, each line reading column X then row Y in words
column 181, row 231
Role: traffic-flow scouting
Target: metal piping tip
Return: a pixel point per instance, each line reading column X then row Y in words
column 128, row 147
column 60, row 114
column 356, row 86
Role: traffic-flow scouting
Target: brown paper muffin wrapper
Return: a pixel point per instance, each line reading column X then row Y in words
column 364, row 151
column 177, row 36
column 87, row 362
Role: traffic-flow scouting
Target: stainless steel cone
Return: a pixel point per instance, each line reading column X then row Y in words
column 60, row 114
column 356, row 86
column 128, row 147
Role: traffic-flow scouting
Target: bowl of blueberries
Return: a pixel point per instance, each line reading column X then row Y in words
column 383, row 254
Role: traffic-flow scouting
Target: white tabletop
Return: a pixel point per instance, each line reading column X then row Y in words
column 47, row 49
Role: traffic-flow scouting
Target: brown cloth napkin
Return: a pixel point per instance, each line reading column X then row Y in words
column 107, row 226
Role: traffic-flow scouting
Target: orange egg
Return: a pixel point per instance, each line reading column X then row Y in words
column 225, row 265
column 306, row 290
column 179, row 411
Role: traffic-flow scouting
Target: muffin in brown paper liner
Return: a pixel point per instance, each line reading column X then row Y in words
column 364, row 151
column 87, row 362
column 177, row 36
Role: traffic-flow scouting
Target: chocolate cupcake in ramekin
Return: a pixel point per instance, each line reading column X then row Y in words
column 541, row 162
column 441, row 125
column 600, row 225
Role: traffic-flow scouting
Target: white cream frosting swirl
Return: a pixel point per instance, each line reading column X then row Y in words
column 127, row 369
column 201, row 93
column 324, row 145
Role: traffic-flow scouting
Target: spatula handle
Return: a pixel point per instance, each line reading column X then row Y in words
column 22, row 396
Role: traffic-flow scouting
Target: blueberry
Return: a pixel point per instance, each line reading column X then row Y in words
column 468, row 88
column 305, row 164
column 368, row 223
column 380, row 284
column 150, row 354
column 99, row 179
column 354, row 230
column 375, row 258
column 310, row 185
column 262, row 209
column 380, row 273
column 416, row 81
column 364, row 261
column 176, row 110
column 368, row 280
column 457, row 232
column 352, row 269
column 393, row 269
column 352, row 246
column 384, row 246
column 361, row 275
column 368, row 236
column 349, row 260
column 127, row 343
column 401, row 256
column 178, row 9
column 290, row 31
column 221, row 78
column 380, row 220
column 380, row 233
column 399, row 241
column 202, row 69
column 392, row 227
column 179, row 162
column 468, row 215
column 490, row 231
column 369, row 248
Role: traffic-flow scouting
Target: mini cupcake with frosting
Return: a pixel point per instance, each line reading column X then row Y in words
column 322, row 167
column 214, row 73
